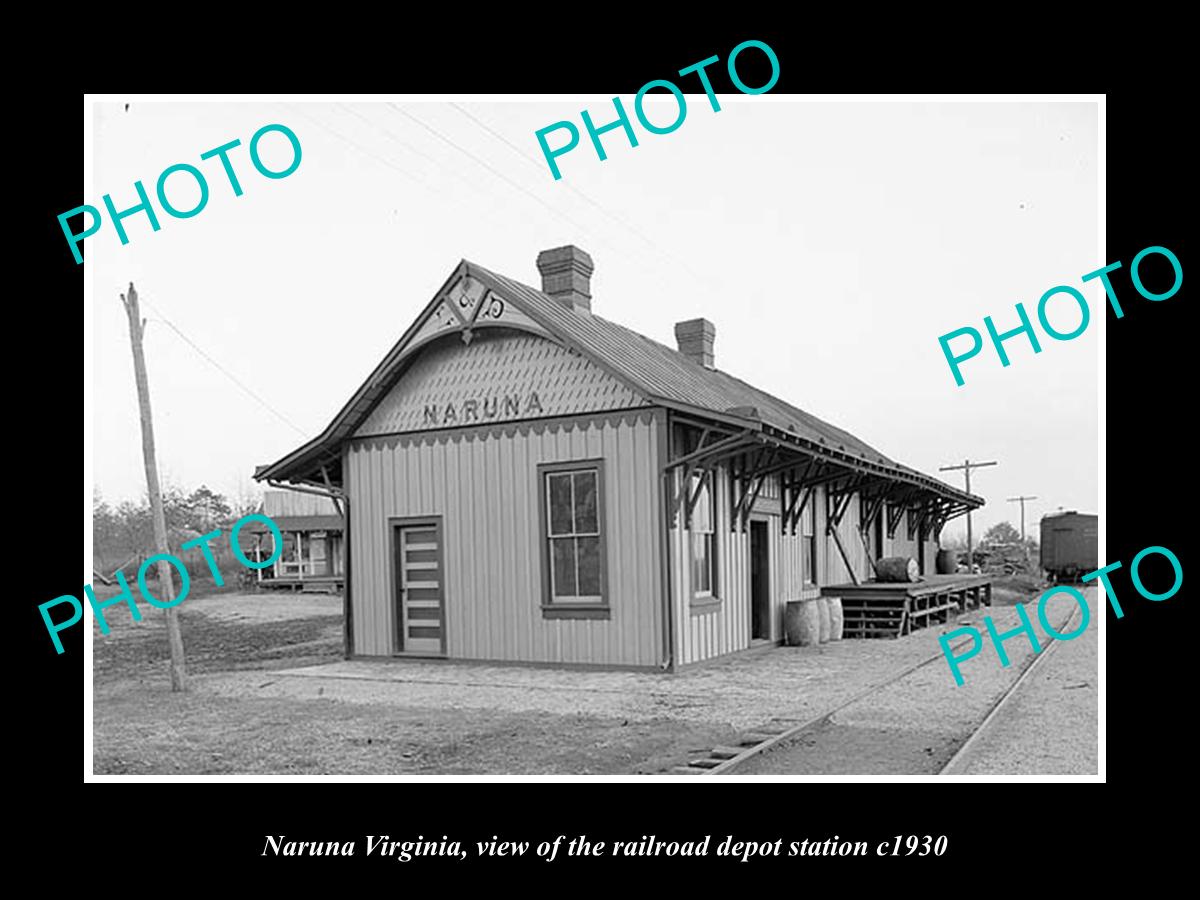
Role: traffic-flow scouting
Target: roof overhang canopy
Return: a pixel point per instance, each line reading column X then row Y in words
column 754, row 451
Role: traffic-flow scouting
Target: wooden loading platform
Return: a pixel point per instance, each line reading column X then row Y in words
column 877, row 609
column 314, row 584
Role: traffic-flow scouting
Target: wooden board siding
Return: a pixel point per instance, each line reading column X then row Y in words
column 484, row 486
column 931, row 549
column 296, row 503
column 834, row 570
column 501, row 375
column 911, row 547
column 902, row 547
column 705, row 632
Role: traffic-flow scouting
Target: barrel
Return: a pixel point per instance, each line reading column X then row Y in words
column 836, row 619
column 946, row 562
column 823, row 618
column 897, row 568
column 802, row 623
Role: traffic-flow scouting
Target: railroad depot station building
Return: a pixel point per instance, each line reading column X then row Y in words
column 523, row 480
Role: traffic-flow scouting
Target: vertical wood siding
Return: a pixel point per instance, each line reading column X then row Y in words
column 294, row 503
column 726, row 628
column 835, row 571
column 484, row 486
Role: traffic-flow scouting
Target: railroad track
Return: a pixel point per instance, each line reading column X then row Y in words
column 956, row 763
column 725, row 760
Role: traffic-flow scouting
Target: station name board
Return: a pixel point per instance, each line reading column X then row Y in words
column 482, row 409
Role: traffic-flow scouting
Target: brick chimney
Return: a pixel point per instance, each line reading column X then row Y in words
column 567, row 276
column 695, row 339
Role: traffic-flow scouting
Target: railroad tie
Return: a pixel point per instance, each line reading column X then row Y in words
column 720, row 754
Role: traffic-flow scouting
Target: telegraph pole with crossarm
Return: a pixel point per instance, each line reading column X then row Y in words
column 1021, row 500
column 966, row 468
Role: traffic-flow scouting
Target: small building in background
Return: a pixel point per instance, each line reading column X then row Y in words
column 312, row 553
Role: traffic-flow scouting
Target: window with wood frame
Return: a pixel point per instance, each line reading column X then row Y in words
column 702, row 537
column 808, row 532
column 573, row 546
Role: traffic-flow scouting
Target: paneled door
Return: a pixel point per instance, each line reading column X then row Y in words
column 420, row 589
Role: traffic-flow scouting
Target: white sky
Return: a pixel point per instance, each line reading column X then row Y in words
column 831, row 243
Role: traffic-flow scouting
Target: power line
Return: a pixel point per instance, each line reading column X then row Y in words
column 502, row 139
column 516, row 185
column 406, row 145
column 420, row 182
column 237, row 381
column 655, row 272
column 357, row 146
column 570, row 187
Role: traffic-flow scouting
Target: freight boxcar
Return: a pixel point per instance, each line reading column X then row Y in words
column 1070, row 545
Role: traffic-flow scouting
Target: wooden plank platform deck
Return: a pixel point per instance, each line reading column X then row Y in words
column 312, row 584
column 877, row 609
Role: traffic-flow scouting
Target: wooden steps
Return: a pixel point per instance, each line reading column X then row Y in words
column 871, row 617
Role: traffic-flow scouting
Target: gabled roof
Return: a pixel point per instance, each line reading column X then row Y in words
column 659, row 373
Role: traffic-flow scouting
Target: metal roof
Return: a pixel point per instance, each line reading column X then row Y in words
column 299, row 523
column 666, row 374
column 658, row 372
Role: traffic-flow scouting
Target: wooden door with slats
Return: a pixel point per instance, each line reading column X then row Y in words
column 420, row 590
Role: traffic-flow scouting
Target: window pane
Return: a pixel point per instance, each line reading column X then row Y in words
column 589, row 566
column 701, row 564
column 586, row 521
column 710, row 563
column 702, row 512
column 560, row 503
column 562, row 552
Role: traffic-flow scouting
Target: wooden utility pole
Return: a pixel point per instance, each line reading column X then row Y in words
column 966, row 468
column 166, row 584
column 1021, row 500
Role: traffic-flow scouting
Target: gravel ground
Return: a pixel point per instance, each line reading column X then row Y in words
column 152, row 731
column 781, row 684
column 260, row 703
column 1049, row 724
column 915, row 725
